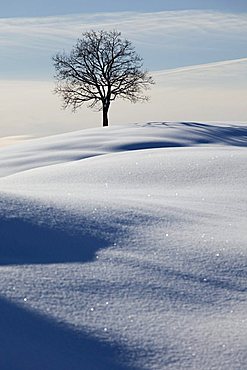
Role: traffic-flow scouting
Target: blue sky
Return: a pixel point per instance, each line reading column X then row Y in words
column 166, row 33
column 36, row 8
column 165, row 39
column 200, row 45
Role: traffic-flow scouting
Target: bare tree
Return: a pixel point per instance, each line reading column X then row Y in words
column 100, row 68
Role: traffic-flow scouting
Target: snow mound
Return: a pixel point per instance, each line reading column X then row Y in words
column 125, row 248
column 88, row 143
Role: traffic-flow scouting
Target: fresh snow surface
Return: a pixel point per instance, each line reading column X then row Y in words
column 125, row 248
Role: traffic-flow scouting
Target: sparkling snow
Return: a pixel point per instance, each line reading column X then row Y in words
column 125, row 248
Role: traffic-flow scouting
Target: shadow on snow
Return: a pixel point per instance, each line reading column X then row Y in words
column 200, row 133
column 23, row 242
column 30, row 341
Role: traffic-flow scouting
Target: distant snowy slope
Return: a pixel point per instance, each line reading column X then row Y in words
column 135, row 259
column 87, row 143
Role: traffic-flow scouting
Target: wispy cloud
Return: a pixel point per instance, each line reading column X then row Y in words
column 201, row 67
column 132, row 23
column 165, row 39
column 228, row 73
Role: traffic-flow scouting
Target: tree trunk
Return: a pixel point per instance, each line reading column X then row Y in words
column 105, row 114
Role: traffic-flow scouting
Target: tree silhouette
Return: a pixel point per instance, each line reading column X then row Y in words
column 100, row 68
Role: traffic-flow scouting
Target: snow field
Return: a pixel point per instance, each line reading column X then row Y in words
column 140, row 250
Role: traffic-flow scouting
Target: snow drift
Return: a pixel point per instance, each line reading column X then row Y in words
column 125, row 248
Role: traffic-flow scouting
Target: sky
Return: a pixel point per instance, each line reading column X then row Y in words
column 36, row 8
column 195, row 49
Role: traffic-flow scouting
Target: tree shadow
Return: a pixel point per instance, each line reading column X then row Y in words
column 225, row 135
column 33, row 342
column 200, row 133
column 23, row 242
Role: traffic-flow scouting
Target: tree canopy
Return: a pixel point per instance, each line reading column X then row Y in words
column 101, row 67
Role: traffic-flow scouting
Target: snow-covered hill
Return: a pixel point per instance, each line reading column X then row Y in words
column 125, row 248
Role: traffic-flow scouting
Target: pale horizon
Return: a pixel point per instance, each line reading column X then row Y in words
column 196, row 55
